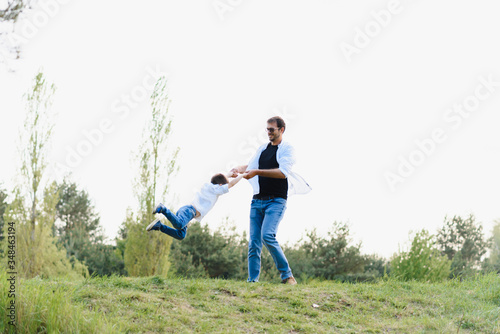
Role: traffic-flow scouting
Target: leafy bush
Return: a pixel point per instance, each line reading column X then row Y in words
column 223, row 254
column 329, row 258
column 206, row 254
column 422, row 262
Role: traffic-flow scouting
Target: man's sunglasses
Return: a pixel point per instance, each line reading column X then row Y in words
column 272, row 129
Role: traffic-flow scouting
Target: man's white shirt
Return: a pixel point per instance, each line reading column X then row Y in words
column 285, row 155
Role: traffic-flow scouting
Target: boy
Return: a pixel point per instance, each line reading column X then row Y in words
column 203, row 202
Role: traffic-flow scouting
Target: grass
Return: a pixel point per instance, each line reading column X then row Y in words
column 154, row 304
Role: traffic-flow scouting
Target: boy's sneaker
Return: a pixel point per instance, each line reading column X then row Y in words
column 154, row 226
column 160, row 208
column 290, row 280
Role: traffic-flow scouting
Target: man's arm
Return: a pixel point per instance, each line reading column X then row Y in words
column 274, row 173
column 234, row 181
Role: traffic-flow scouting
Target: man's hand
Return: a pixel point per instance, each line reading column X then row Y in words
column 250, row 173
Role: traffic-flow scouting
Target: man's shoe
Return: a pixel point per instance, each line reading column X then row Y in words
column 290, row 280
column 154, row 226
column 160, row 208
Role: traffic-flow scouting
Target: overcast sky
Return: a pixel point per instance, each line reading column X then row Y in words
column 393, row 106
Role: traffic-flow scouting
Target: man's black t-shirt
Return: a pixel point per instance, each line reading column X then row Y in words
column 271, row 186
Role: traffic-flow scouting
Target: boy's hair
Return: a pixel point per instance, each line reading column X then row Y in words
column 219, row 179
column 279, row 122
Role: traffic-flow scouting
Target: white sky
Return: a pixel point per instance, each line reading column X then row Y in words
column 349, row 121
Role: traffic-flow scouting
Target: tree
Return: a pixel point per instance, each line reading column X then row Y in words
column 37, row 252
column 3, row 207
column 80, row 232
column 103, row 260
column 376, row 266
column 38, row 128
column 493, row 262
column 147, row 253
column 206, row 254
column 10, row 11
column 35, row 216
column 463, row 242
column 422, row 262
column 79, row 223
column 329, row 258
column 121, row 239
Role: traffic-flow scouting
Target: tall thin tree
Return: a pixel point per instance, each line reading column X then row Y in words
column 147, row 253
column 38, row 128
column 33, row 210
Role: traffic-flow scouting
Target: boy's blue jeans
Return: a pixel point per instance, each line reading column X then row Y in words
column 180, row 221
column 265, row 216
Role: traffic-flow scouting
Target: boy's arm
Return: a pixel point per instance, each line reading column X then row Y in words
column 234, row 181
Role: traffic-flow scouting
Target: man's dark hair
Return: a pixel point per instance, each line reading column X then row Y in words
column 279, row 122
column 219, row 179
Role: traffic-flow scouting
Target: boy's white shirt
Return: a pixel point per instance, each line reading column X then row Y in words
column 204, row 200
column 285, row 155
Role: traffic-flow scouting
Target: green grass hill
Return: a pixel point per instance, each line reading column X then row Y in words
column 159, row 305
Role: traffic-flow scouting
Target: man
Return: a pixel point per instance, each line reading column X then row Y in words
column 269, row 172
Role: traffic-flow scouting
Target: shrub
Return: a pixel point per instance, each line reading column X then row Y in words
column 422, row 262
column 203, row 253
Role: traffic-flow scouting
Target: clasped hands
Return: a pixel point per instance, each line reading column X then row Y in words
column 246, row 174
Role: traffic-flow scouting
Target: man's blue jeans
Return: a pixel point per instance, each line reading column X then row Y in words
column 180, row 221
column 265, row 216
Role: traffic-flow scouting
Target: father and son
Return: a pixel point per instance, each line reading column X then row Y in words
column 270, row 174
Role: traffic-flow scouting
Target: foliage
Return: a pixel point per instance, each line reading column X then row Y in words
column 47, row 306
column 121, row 239
column 79, row 221
column 376, row 265
column 206, row 254
column 422, row 262
column 463, row 242
column 3, row 207
column 147, row 253
column 104, row 260
column 12, row 9
column 493, row 262
column 78, row 226
column 330, row 258
column 223, row 254
column 37, row 253
column 80, row 233
column 10, row 12
column 35, row 139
